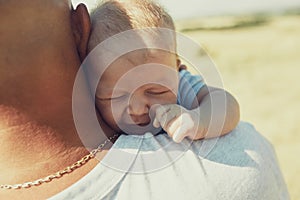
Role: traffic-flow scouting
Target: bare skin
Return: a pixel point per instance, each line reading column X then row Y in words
column 41, row 48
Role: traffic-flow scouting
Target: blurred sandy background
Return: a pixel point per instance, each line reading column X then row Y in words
column 258, row 57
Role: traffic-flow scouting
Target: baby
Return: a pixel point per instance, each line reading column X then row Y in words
column 146, row 89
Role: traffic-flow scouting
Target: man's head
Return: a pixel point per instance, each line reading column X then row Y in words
column 138, row 80
column 41, row 47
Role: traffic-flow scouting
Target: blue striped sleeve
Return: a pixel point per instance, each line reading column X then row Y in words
column 189, row 86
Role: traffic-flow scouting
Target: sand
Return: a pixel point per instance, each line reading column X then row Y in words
column 259, row 63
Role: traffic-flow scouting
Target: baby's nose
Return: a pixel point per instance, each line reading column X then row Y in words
column 138, row 105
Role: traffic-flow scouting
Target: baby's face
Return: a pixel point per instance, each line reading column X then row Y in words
column 132, row 85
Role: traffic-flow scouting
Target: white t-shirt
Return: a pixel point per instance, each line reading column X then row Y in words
column 240, row 165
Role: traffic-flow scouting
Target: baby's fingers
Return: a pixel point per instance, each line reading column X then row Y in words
column 184, row 124
column 156, row 123
column 159, row 113
column 166, row 114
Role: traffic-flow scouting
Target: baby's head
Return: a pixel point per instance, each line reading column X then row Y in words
column 137, row 80
column 111, row 17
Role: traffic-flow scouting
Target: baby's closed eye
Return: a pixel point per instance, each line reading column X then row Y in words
column 113, row 97
column 157, row 92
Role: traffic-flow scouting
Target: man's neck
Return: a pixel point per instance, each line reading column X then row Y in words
column 30, row 151
column 27, row 145
column 38, row 65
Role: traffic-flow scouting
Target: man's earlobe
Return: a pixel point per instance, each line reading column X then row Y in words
column 81, row 25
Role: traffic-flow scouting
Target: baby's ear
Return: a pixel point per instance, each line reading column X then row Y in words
column 81, row 25
column 180, row 66
column 178, row 63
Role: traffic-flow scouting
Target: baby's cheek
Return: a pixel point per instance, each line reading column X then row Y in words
column 164, row 99
column 172, row 98
column 118, row 110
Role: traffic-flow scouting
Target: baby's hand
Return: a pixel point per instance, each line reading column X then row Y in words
column 177, row 121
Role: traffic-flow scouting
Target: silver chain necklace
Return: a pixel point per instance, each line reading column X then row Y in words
column 60, row 173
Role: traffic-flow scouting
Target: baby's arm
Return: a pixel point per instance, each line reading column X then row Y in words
column 215, row 112
column 218, row 112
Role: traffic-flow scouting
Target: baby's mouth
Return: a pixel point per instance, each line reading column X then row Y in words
column 139, row 128
column 143, row 124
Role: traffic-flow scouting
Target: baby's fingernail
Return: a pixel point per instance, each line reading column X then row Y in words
column 155, row 123
column 176, row 137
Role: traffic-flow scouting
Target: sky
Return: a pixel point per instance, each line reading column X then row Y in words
column 180, row 9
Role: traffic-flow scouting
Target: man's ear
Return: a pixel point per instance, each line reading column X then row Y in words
column 81, row 25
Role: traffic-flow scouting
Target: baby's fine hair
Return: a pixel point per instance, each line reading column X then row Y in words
column 111, row 17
